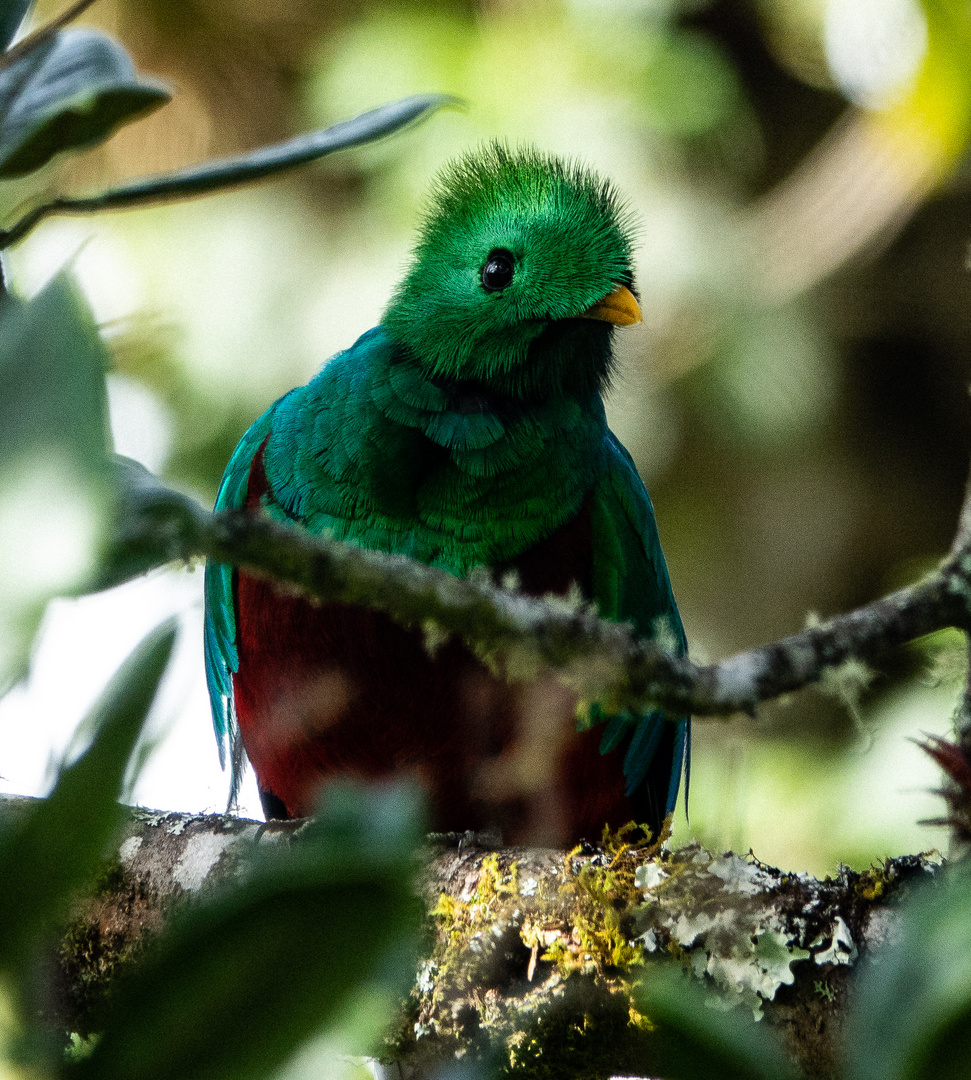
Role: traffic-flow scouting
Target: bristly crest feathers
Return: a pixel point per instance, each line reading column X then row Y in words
column 569, row 235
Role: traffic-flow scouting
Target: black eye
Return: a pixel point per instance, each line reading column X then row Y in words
column 498, row 270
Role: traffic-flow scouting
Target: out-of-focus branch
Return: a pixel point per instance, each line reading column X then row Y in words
column 601, row 660
column 853, row 191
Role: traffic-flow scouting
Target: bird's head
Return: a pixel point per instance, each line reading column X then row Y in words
column 521, row 271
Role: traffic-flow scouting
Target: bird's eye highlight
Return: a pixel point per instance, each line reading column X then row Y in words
column 498, row 270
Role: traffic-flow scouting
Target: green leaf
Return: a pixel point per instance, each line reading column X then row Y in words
column 55, row 848
column 154, row 526
column 231, row 172
column 695, row 1041
column 55, row 490
column 12, row 13
column 243, row 977
column 52, row 367
column 70, row 92
column 912, row 1017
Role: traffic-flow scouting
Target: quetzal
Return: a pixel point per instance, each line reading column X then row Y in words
column 466, row 430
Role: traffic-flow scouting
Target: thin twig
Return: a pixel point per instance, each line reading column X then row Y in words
column 211, row 176
column 32, row 218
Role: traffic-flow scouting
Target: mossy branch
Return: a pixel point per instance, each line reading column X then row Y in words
column 561, row 939
column 601, row 660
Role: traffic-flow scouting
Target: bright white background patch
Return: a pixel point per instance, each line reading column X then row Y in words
column 875, row 48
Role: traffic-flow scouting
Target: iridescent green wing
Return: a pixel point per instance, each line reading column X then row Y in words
column 631, row 584
column 220, row 618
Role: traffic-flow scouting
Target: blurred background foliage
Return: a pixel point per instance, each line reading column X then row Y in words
column 796, row 398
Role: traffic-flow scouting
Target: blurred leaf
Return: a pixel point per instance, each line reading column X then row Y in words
column 55, row 490
column 912, row 1016
column 231, row 172
column 696, row 1041
column 52, row 365
column 245, row 976
column 55, row 849
column 773, row 381
column 12, row 14
column 690, row 84
column 268, row 160
column 155, row 525
column 70, row 92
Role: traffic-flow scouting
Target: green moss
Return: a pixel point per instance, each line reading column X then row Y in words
column 597, row 899
column 93, row 950
column 585, row 1040
column 111, row 879
column 526, row 970
column 872, row 883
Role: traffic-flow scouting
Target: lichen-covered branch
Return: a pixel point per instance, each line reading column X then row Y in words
column 536, row 954
column 520, row 635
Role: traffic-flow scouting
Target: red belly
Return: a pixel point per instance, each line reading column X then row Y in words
column 336, row 690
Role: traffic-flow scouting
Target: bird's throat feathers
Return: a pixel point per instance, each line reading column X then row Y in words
column 514, row 249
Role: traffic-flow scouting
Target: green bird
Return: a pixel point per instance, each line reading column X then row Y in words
column 466, row 430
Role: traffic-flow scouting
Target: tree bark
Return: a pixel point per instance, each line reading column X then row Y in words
column 533, row 954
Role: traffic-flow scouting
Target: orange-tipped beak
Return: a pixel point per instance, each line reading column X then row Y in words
column 619, row 308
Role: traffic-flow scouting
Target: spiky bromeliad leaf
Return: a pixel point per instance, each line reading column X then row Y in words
column 51, row 852
column 231, row 172
column 243, row 977
column 71, row 91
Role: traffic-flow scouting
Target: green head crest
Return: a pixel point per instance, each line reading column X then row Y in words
column 513, row 259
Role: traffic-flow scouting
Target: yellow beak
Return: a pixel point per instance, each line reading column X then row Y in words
column 619, row 308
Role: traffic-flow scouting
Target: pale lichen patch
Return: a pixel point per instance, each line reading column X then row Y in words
column 202, row 852
column 664, row 634
column 128, row 851
column 434, row 636
column 842, row 948
column 590, row 677
column 739, row 676
column 649, row 875
column 739, row 875
column 848, row 682
column 718, row 913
